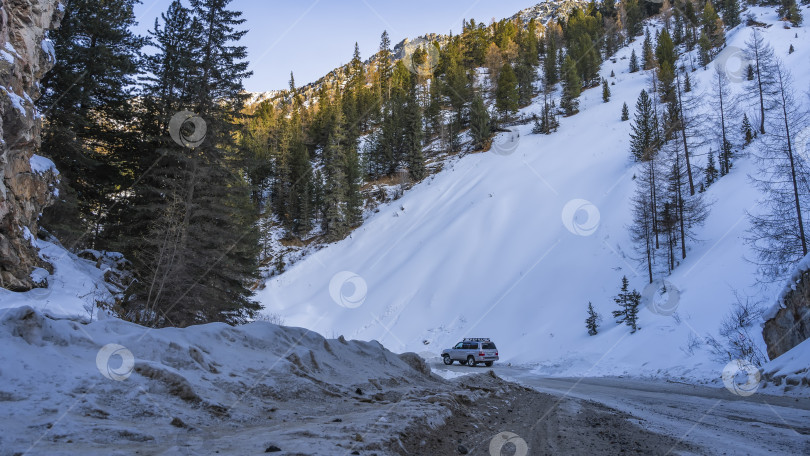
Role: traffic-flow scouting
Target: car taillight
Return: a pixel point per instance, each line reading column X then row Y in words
column 496, row 353
column 481, row 354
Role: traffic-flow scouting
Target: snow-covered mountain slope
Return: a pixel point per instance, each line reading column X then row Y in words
column 513, row 244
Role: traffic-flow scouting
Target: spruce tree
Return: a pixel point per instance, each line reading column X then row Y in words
column 198, row 256
column 572, row 87
column 625, row 112
column 90, row 132
column 605, row 91
column 628, row 302
column 479, row 122
column 747, row 130
column 644, row 135
column 633, row 62
column 592, row 322
column 789, row 11
column 506, row 96
column 731, row 13
column 711, row 170
column 648, row 55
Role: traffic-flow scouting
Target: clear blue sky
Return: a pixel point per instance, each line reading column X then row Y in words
column 312, row 37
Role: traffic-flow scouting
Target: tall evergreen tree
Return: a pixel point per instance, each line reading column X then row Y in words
column 628, row 302
column 90, row 130
column 198, row 255
column 506, row 96
column 479, row 122
column 572, row 87
column 643, row 139
column 592, row 322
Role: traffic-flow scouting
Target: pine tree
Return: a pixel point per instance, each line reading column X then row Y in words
column 625, row 112
column 711, row 170
column 628, row 302
column 648, row 55
column 705, row 51
column 605, row 91
column 731, row 13
column 479, row 122
column 644, row 135
column 506, row 96
column 789, row 11
column 198, row 255
column 550, row 62
column 747, row 130
column 687, row 83
column 335, row 220
column 633, row 62
column 572, row 87
column 791, row 50
column 384, row 67
column 592, row 322
column 90, row 130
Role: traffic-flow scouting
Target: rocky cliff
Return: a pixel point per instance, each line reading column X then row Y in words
column 26, row 180
column 788, row 323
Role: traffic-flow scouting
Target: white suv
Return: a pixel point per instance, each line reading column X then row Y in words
column 472, row 351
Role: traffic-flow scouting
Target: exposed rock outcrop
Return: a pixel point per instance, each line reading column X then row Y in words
column 789, row 324
column 26, row 185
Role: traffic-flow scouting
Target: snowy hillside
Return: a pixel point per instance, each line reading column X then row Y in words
column 513, row 243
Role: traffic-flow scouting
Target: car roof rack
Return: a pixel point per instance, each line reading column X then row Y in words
column 476, row 339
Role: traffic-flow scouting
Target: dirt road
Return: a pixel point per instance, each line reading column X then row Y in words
column 711, row 419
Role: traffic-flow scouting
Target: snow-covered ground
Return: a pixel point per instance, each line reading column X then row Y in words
column 512, row 244
column 112, row 387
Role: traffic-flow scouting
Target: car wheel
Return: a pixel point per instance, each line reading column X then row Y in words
column 447, row 360
column 471, row 361
column 488, row 363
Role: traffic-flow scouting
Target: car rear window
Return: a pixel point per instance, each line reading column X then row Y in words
column 489, row 346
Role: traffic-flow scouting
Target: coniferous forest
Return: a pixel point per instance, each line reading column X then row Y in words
column 193, row 215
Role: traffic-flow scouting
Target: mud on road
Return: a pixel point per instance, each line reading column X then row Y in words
column 485, row 407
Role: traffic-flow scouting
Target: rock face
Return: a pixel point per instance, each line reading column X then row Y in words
column 790, row 325
column 26, row 186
